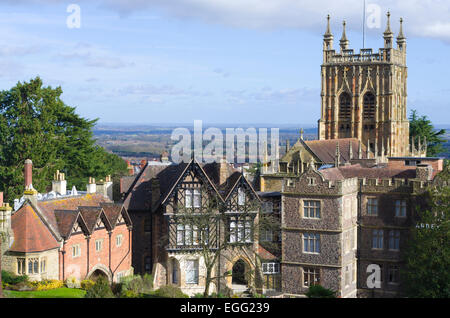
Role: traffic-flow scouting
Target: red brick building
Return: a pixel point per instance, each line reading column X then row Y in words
column 76, row 235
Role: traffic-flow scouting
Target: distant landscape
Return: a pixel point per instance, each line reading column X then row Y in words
column 135, row 142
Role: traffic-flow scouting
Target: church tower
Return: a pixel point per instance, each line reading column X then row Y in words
column 364, row 95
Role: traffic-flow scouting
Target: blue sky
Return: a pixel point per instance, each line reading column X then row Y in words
column 220, row 61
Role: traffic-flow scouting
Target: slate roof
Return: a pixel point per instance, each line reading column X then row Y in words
column 344, row 172
column 325, row 150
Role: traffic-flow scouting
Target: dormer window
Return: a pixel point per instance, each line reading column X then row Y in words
column 193, row 198
column 311, row 181
column 241, row 197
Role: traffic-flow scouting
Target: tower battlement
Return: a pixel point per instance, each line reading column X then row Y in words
column 364, row 94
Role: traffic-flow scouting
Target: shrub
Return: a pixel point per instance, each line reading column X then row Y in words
column 128, row 294
column 47, row 284
column 117, row 288
column 87, row 284
column 100, row 289
column 170, row 291
column 318, row 291
column 13, row 279
column 137, row 284
column 72, row 282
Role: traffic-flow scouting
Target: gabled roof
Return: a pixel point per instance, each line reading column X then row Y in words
column 66, row 220
column 113, row 211
column 139, row 196
column 91, row 215
column 325, row 150
column 30, row 232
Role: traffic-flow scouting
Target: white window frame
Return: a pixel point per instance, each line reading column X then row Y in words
column 76, row 250
column 119, row 239
column 270, row 268
column 241, row 197
column 394, row 240
column 98, row 245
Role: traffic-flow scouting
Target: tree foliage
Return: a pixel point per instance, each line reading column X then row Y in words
column 36, row 124
column 426, row 273
column 318, row 291
column 422, row 126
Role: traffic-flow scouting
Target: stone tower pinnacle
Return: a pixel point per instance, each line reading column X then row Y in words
column 344, row 41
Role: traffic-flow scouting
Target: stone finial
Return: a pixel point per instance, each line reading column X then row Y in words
column 344, row 41
column 328, row 31
column 287, row 145
column 401, row 36
column 338, row 155
column 312, row 164
column 301, row 133
column 368, row 149
column 388, row 30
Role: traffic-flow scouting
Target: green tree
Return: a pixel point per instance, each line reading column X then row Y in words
column 426, row 273
column 421, row 126
column 36, row 124
column 318, row 291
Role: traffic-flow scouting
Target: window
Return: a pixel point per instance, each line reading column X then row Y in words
column 266, row 235
column 344, row 106
column 98, row 245
column 76, row 250
column 174, row 271
column 393, row 274
column 369, row 106
column 190, row 235
column 267, row 207
column 311, row 181
column 193, row 198
column 43, row 264
column 270, row 268
column 400, row 208
column 21, row 266
column 148, row 264
column 241, row 197
column 188, row 198
column 311, row 243
column 347, row 275
column 192, row 272
column 311, row 209
column 372, row 206
column 119, row 240
column 33, row 266
column 394, row 240
column 311, row 276
column 377, row 239
column 240, row 230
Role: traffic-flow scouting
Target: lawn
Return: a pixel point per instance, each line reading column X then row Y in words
column 52, row 293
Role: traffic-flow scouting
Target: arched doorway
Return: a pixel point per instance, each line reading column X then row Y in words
column 240, row 276
column 97, row 274
column 100, row 271
column 239, row 273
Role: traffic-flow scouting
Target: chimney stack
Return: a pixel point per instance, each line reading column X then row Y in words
column 28, row 174
column 59, row 184
column 91, row 186
column 5, row 220
column 223, row 171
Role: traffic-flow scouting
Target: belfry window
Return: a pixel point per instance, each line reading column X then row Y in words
column 345, row 111
column 369, row 106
